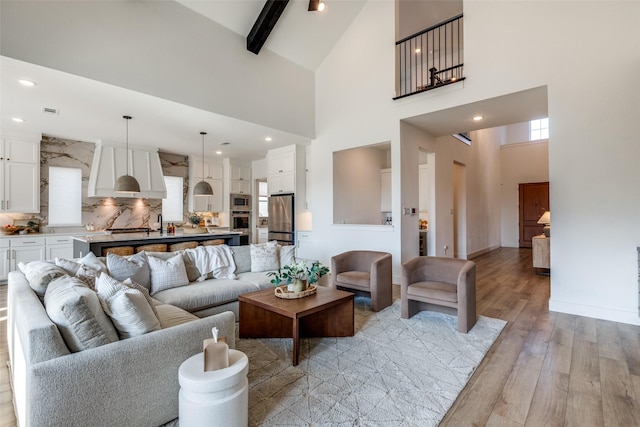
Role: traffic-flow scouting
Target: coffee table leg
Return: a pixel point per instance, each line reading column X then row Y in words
column 296, row 340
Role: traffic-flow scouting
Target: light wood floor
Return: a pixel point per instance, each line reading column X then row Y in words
column 545, row 369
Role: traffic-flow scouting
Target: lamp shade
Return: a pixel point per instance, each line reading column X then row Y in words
column 203, row 188
column 545, row 219
column 126, row 184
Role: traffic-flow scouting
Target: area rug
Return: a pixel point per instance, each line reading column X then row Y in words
column 393, row 372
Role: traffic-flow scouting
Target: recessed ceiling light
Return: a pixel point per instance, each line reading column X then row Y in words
column 477, row 118
column 18, row 120
column 28, row 83
column 218, row 152
column 418, row 50
column 268, row 139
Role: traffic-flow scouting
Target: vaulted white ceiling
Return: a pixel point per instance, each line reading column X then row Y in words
column 303, row 37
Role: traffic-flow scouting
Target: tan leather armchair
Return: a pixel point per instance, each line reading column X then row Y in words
column 443, row 284
column 365, row 273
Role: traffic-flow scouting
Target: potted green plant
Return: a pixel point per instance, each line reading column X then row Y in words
column 299, row 275
column 195, row 219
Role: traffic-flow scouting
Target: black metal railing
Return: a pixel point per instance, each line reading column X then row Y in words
column 430, row 58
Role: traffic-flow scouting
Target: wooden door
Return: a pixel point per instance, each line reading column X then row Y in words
column 534, row 201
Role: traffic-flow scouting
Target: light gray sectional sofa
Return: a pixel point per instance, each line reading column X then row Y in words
column 129, row 382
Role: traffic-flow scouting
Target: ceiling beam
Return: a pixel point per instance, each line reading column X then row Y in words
column 264, row 24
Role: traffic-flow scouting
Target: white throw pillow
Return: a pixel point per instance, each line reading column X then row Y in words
column 40, row 274
column 134, row 267
column 167, row 274
column 287, row 255
column 127, row 307
column 264, row 257
column 90, row 260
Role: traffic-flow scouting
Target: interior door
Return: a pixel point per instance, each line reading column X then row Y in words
column 534, row 200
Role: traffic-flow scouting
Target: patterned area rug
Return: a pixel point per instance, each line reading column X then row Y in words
column 393, row 372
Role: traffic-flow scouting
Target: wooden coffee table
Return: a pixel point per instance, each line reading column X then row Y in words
column 327, row 313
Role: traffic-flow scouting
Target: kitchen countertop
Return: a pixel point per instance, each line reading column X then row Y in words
column 154, row 235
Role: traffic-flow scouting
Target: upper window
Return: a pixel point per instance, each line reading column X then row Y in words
column 65, row 196
column 539, row 129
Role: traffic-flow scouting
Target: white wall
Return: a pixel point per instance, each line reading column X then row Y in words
column 142, row 46
column 520, row 163
column 357, row 185
column 594, row 127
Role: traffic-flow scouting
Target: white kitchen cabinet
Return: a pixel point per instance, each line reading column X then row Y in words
column 281, row 162
column 240, row 187
column 282, row 183
column 5, row 258
column 58, row 247
column 25, row 249
column 239, row 172
column 210, row 169
column 423, row 188
column 20, row 174
column 385, row 190
column 263, row 235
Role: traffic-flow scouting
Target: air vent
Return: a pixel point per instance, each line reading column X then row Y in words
column 225, row 143
column 50, row 110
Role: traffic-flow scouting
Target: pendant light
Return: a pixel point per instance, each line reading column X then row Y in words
column 203, row 188
column 126, row 183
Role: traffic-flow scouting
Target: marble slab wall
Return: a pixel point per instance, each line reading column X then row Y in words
column 106, row 212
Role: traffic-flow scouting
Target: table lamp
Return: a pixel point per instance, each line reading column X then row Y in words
column 545, row 219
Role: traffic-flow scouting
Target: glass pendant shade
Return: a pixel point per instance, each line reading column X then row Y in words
column 203, row 188
column 126, row 183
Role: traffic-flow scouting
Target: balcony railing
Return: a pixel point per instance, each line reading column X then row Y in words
column 430, row 58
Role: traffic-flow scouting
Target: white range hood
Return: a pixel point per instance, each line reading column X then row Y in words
column 110, row 162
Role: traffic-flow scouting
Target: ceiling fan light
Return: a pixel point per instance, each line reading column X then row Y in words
column 203, row 188
column 126, row 184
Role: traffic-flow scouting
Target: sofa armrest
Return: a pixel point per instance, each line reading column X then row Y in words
column 130, row 382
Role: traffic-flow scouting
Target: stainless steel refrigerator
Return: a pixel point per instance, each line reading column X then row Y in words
column 281, row 221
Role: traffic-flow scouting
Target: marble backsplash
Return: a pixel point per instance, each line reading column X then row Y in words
column 103, row 213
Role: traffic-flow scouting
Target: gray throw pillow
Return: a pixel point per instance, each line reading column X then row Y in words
column 127, row 306
column 242, row 258
column 167, row 274
column 40, row 274
column 134, row 267
column 78, row 314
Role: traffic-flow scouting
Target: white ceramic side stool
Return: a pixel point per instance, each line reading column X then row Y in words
column 214, row 398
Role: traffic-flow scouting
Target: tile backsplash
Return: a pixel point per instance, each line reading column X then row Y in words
column 101, row 212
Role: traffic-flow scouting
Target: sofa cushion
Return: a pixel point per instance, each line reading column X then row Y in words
column 264, row 257
column 189, row 262
column 90, row 260
column 126, row 305
column 434, row 290
column 77, row 312
column 209, row 293
column 170, row 315
column 286, row 255
column 358, row 279
column 83, row 272
column 134, row 267
column 261, row 280
column 242, row 258
column 167, row 274
column 40, row 274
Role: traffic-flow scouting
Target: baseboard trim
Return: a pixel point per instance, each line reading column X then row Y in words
column 482, row 251
column 629, row 317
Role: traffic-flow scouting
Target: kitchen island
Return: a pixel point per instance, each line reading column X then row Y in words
column 97, row 243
